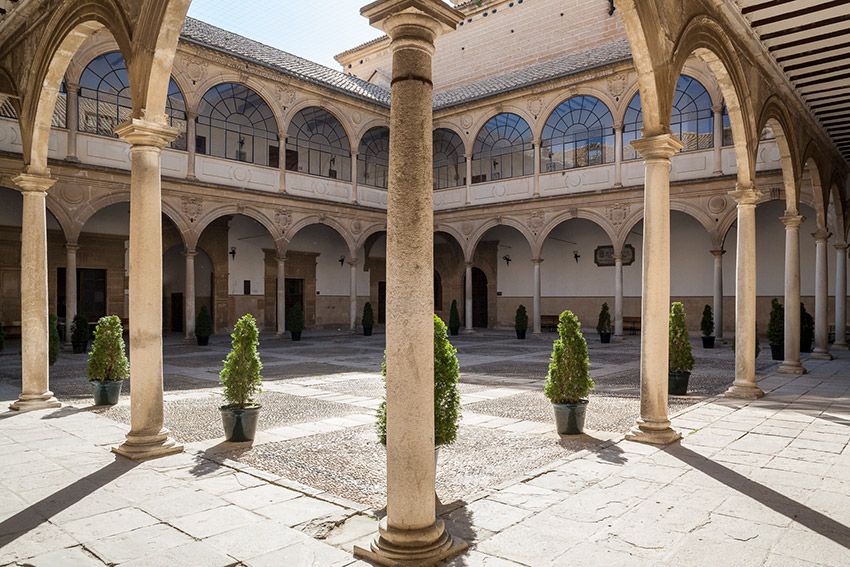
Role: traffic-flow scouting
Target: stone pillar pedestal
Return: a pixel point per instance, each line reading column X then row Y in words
column 147, row 437
column 791, row 324
column 352, row 291
column 618, row 295
column 718, row 293
column 411, row 534
column 35, row 376
column 281, row 296
column 536, row 326
column 70, row 288
column 189, row 295
column 744, row 385
column 821, row 350
column 653, row 425
column 840, row 295
column 467, row 293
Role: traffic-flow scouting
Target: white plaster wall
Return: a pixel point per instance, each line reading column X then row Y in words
column 691, row 262
column 517, row 278
column 562, row 275
column 249, row 238
column 114, row 219
column 331, row 277
column 11, row 210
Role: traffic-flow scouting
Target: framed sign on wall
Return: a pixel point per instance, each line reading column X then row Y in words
column 604, row 255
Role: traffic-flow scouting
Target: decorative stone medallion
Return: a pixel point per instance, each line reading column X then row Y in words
column 536, row 221
column 717, row 204
column 283, row 219
column 617, row 85
column 192, row 207
column 617, row 213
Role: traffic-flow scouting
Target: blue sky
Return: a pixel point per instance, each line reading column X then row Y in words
column 313, row 29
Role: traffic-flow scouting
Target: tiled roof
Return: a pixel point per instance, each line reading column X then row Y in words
column 216, row 38
column 537, row 73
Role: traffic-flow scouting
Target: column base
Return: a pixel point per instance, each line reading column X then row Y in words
column 789, row 367
column 143, row 447
column 744, row 392
column 31, row 402
column 841, row 345
column 654, row 433
column 821, row 355
column 429, row 546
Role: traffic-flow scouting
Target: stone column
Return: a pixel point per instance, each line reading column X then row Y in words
column 618, row 155
column 536, row 148
column 190, row 144
column 840, row 295
column 147, row 437
column 352, row 291
column 354, row 165
column 536, row 326
column 72, row 119
column 653, row 425
column 717, row 111
column 821, row 350
column 468, row 158
column 718, row 292
column 189, row 294
column 35, row 376
column 467, row 313
column 70, row 287
column 744, row 385
column 281, row 295
column 410, row 533
column 618, row 295
column 791, row 363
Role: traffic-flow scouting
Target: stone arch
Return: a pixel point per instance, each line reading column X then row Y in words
column 327, row 221
column 452, row 126
column 810, row 165
column 683, row 207
column 193, row 97
column 774, row 115
column 835, row 214
column 69, row 226
column 368, row 125
column 369, row 231
column 328, row 107
column 476, row 127
column 251, row 212
column 98, row 44
column 475, row 239
column 91, row 208
column 593, row 216
column 455, row 234
column 561, row 97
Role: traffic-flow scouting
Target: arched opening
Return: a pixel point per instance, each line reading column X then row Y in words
column 373, row 157
column 234, row 122
column 449, row 159
column 691, row 268
column 448, row 275
column 174, row 286
column 480, row 299
column 578, row 133
column 316, row 144
column 503, row 149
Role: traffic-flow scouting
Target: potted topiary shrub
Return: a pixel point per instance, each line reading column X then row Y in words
column 603, row 325
column 454, row 319
column 295, row 321
column 521, row 322
column 568, row 381
column 368, row 320
column 681, row 357
column 52, row 340
column 446, row 392
column 707, row 327
column 807, row 330
column 107, row 365
column 242, row 381
column 79, row 334
column 776, row 330
column 203, row 326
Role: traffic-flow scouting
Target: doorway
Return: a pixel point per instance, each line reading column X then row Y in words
column 479, row 298
column 294, row 293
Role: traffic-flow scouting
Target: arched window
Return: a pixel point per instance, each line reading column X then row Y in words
column 578, row 133
column 105, row 99
column 692, row 119
column 317, row 144
column 503, row 149
column 449, row 159
column 373, row 157
column 235, row 123
column 727, row 128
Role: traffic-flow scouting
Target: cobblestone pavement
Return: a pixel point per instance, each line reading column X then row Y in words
column 751, row 483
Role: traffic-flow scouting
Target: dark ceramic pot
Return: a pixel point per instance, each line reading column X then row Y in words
column 677, row 383
column 453, row 331
column 777, row 352
column 106, row 393
column 708, row 342
column 79, row 347
column 296, row 335
column 202, row 341
column 605, row 338
column 569, row 418
column 240, row 424
column 367, row 331
column 520, row 334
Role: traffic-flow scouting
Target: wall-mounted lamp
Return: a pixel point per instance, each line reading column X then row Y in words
column 341, row 260
column 232, row 252
column 576, row 255
column 507, row 259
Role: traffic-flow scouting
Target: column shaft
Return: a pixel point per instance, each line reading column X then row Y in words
column 618, row 296
column 653, row 425
column 70, row 287
column 718, row 138
column 468, row 158
column 281, row 296
column 840, row 295
column 189, row 295
column 718, row 293
column 536, row 327
column 618, row 155
column 791, row 346
column 354, row 180
column 467, row 291
column 190, row 144
column 35, row 387
column 536, row 147
column 821, row 297
column 352, row 290
column 72, row 119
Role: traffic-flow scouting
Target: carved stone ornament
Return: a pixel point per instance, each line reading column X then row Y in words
column 467, row 228
column 356, row 117
column 717, row 204
column 536, row 221
column 356, row 227
column 286, row 96
column 617, row 213
column 775, row 193
column 197, row 70
column 535, row 105
column 466, row 121
column 283, row 219
column 192, row 208
column 617, row 85
column 574, row 212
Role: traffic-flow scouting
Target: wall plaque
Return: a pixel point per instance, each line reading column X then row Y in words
column 604, row 255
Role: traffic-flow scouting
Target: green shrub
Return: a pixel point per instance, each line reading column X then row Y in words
column 53, row 340
column 446, row 392
column 368, row 320
column 521, row 319
column 203, row 323
column 454, row 317
column 603, row 325
column 707, row 323
column 807, row 329
column 80, row 329
column 295, row 319
column 681, row 357
column 568, row 380
column 241, row 373
column 776, row 325
column 107, row 359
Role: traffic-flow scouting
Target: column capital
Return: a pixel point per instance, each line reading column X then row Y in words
column 139, row 132
column 718, row 252
column 791, row 220
column 412, row 19
column 840, row 246
column 618, row 125
column 280, row 259
column 33, row 183
column 352, row 262
column 190, row 252
column 537, row 261
column 717, row 108
column 617, row 258
column 746, row 195
column 821, row 234
column 468, row 265
column 663, row 146
column 72, row 87
column 191, row 114
column 72, row 246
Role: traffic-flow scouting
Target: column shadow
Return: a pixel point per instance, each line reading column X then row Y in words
column 803, row 515
column 33, row 516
